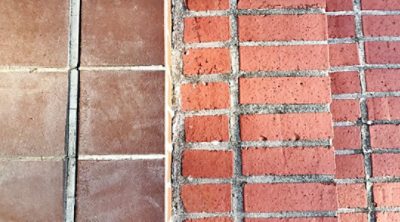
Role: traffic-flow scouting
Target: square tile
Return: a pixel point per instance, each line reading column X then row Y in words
column 122, row 32
column 121, row 113
column 126, row 190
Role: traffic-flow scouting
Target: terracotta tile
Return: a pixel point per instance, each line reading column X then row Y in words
column 34, row 33
column 121, row 112
column 31, row 191
column 123, row 32
column 120, row 190
column 33, row 113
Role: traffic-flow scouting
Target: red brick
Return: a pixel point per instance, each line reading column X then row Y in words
column 387, row 194
column 352, row 217
column 304, row 126
column 205, row 96
column 385, row 25
column 349, row 166
column 342, row 26
column 385, row 108
column 385, row 136
column 345, row 110
column 339, row 5
column 207, row 164
column 388, row 217
column 380, row 4
column 288, row 161
column 276, row 4
column 284, row 90
column 383, row 80
column 345, row 82
column 343, row 54
column 206, row 61
column 387, row 164
column 289, row 197
column 203, row 5
column 284, row 58
column 382, row 52
column 202, row 29
column 206, row 128
column 269, row 28
column 348, row 137
column 211, row 219
column 308, row 219
column 206, row 198
column 351, row 195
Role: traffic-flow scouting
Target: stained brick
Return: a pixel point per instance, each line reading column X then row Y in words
column 343, row 55
column 206, row 128
column 387, row 217
column 304, row 126
column 202, row 29
column 341, row 26
column 207, row 61
column 284, row 58
column 347, row 138
column 385, row 108
column 274, row 4
column 284, row 90
column 385, row 136
column 383, row 80
column 289, row 197
column 387, row 194
column 385, row 165
column 382, row 52
column 388, row 25
column 345, row 82
column 269, row 28
column 349, row 166
column 205, row 96
column 203, row 5
column 380, row 5
column 206, row 198
column 339, row 5
column 351, row 195
column 207, row 164
column 351, row 217
column 345, row 110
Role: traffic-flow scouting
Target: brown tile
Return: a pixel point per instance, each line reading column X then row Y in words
column 121, row 112
column 34, row 33
column 33, row 113
column 31, row 191
column 122, row 32
column 120, row 190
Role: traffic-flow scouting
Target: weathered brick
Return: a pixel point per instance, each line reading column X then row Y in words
column 289, row 197
column 288, row 161
column 383, row 25
column 304, row 126
column 348, row 137
column 349, row 166
column 387, row 216
column 385, row 165
column 284, row 58
column 274, row 4
column 205, row 96
column 207, row 164
column 203, row 5
column 202, row 29
column 342, row 26
column 343, row 55
column 383, row 80
column 382, row 52
column 385, row 136
column 284, row 90
column 352, row 217
column 206, row 128
column 339, row 5
column 387, row 194
column 211, row 219
column 351, row 195
column 206, row 198
column 345, row 110
column 385, row 108
column 345, row 82
column 206, row 61
column 269, row 28
column 380, row 5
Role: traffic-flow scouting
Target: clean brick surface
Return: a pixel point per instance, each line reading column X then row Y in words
column 203, row 5
column 385, row 136
column 386, row 165
column 341, row 26
column 207, row 164
column 206, row 61
column 205, row 96
column 383, row 80
column 206, row 197
column 339, row 5
column 387, row 194
column 382, row 52
column 345, row 82
column 349, row 166
column 206, row 128
column 351, row 195
column 388, row 25
column 345, row 110
column 308, row 219
column 343, row 55
column 202, row 29
column 388, row 217
column 351, row 217
column 347, row 138
column 380, row 5
column 386, row 108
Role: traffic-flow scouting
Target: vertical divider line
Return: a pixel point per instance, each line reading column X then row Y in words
column 365, row 135
column 72, row 116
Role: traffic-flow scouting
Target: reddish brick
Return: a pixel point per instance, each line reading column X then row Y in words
column 342, row 26
column 385, row 108
column 284, row 90
column 202, row 29
column 289, row 197
column 308, row 219
column 347, row 138
column 380, row 4
column 269, row 28
column 276, row 4
column 211, row 219
column 351, row 195
column 345, row 82
column 205, row 96
column 339, row 5
column 304, row 126
column 352, row 217
column 207, row 61
column 388, row 217
column 288, row 161
column 207, row 164
column 206, row 128
column 206, row 198
column 383, row 80
column 345, row 110
column 349, row 166
column 385, row 136
column 387, row 194
column 384, row 25
column 387, row 164
column 284, row 58
column 203, row 5
column 382, row 52
column 343, row 54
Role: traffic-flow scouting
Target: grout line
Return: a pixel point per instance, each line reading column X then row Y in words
column 31, row 158
column 123, row 68
column 289, row 214
column 122, row 157
column 240, row 12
